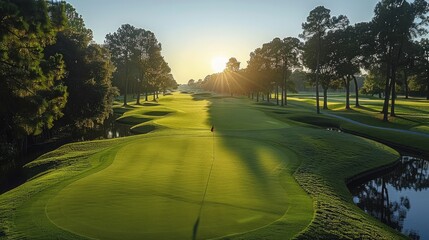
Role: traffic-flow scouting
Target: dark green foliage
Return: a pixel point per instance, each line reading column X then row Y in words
column 136, row 54
column 422, row 66
column 88, row 77
column 319, row 21
column 31, row 94
column 373, row 84
column 394, row 25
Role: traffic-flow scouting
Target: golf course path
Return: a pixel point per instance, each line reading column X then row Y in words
column 376, row 127
column 154, row 186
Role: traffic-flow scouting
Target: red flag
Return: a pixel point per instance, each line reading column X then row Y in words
column 212, row 129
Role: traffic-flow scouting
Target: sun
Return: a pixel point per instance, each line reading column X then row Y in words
column 219, row 63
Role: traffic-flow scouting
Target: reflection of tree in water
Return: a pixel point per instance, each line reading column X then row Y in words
column 374, row 199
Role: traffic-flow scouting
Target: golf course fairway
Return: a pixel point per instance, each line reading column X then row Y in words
column 269, row 178
column 156, row 194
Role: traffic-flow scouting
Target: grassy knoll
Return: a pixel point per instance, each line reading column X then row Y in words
column 273, row 178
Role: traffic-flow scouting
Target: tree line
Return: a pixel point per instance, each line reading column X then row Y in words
column 140, row 66
column 390, row 48
column 55, row 79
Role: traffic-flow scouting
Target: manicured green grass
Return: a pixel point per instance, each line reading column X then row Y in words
column 273, row 178
column 411, row 114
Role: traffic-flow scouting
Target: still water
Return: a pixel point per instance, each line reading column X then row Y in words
column 399, row 198
column 110, row 129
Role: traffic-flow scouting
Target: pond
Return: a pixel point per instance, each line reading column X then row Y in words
column 110, row 129
column 398, row 198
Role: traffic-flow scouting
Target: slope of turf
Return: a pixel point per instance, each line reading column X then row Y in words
column 272, row 179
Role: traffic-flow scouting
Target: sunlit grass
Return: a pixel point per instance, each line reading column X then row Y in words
column 411, row 114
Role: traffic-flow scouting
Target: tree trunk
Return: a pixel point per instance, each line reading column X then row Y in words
column 257, row 97
column 138, row 98
column 146, row 96
column 386, row 96
column 347, row 83
column 356, row 91
column 268, row 96
column 427, row 87
column 406, row 84
column 325, row 98
column 126, row 85
column 283, row 94
column 317, row 94
column 393, row 89
column 277, row 95
column 138, row 94
column 284, row 88
column 317, row 73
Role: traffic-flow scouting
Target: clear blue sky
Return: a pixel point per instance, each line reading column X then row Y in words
column 193, row 32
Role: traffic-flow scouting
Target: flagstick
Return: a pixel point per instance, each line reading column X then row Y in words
column 197, row 222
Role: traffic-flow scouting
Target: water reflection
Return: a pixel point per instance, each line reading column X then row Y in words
column 113, row 129
column 399, row 198
column 110, row 129
column 333, row 129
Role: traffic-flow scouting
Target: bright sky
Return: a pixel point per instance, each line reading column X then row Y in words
column 194, row 32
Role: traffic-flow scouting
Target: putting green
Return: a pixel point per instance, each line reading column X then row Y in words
column 153, row 194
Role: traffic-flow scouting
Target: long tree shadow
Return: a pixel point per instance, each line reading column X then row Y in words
column 239, row 129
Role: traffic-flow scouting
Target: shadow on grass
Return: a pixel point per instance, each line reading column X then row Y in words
column 132, row 120
column 412, row 110
column 367, row 109
column 150, row 104
column 143, row 129
column 402, row 116
column 157, row 113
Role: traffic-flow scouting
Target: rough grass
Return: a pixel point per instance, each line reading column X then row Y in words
column 274, row 178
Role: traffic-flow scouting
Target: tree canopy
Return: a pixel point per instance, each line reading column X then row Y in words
column 136, row 54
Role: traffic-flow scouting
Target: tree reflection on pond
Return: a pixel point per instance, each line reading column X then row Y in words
column 399, row 197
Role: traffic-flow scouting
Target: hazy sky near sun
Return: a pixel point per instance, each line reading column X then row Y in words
column 193, row 32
